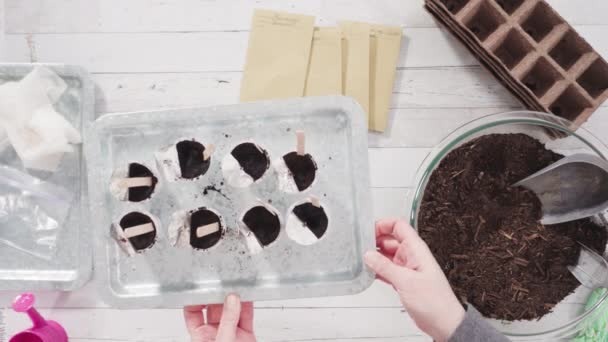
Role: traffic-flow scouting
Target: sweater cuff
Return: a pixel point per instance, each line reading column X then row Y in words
column 474, row 328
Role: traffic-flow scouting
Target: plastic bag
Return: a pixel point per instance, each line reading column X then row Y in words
column 32, row 212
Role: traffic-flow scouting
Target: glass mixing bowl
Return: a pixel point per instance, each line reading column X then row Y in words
column 570, row 316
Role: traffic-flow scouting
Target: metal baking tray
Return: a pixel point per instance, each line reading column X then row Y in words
column 166, row 276
column 71, row 267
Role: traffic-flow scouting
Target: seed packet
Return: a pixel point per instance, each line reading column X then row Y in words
column 277, row 56
column 325, row 69
column 385, row 45
column 356, row 62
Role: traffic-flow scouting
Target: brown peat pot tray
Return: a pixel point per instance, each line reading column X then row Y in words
column 531, row 50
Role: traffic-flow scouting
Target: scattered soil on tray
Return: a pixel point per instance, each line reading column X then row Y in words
column 314, row 218
column 141, row 193
column 487, row 237
column 212, row 188
column 140, row 242
column 191, row 162
column 264, row 224
column 252, row 159
column 302, row 168
column 203, row 217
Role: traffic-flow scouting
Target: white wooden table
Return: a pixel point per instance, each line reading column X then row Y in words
column 151, row 54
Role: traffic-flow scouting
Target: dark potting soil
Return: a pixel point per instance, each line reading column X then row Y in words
column 253, row 160
column 302, row 168
column 191, row 162
column 486, row 234
column 203, row 217
column 140, row 193
column 314, row 218
column 264, row 224
column 135, row 219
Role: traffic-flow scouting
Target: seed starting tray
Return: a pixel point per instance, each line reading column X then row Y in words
column 531, row 50
column 168, row 276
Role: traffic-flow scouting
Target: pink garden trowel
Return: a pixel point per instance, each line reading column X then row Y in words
column 43, row 330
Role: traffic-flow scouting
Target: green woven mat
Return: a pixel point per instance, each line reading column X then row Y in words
column 598, row 330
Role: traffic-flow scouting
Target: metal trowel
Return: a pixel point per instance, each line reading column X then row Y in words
column 590, row 269
column 573, row 188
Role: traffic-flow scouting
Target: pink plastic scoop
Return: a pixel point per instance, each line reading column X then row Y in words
column 43, row 330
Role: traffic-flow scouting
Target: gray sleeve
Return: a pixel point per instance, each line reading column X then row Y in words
column 475, row 329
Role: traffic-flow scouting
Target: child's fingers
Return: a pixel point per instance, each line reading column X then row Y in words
column 399, row 229
column 387, row 244
column 385, row 227
column 412, row 251
column 214, row 313
column 385, row 268
column 226, row 332
column 194, row 317
column 246, row 321
column 406, row 256
column 379, row 277
column 204, row 333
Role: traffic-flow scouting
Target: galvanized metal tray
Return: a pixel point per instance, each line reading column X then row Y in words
column 71, row 266
column 166, row 276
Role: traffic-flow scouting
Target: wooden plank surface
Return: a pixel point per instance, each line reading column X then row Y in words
column 274, row 324
column 199, row 52
column 432, row 87
column 152, row 54
column 53, row 16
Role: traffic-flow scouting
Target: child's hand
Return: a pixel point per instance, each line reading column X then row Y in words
column 231, row 322
column 406, row 263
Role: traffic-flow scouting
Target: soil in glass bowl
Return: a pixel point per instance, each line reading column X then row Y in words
column 487, row 236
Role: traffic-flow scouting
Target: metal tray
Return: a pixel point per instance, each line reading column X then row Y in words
column 166, row 276
column 71, row 266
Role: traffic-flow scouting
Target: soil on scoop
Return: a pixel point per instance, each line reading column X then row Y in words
column 140, row 242
column 203, row 217
column 264, row 224
column 253, row 160
column 140, row 193
column 487, row 237
column 314, row 218
column 191, row 162
column 302, row 168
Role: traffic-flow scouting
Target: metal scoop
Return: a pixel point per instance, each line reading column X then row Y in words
column 573, row 188
column 590, row 270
